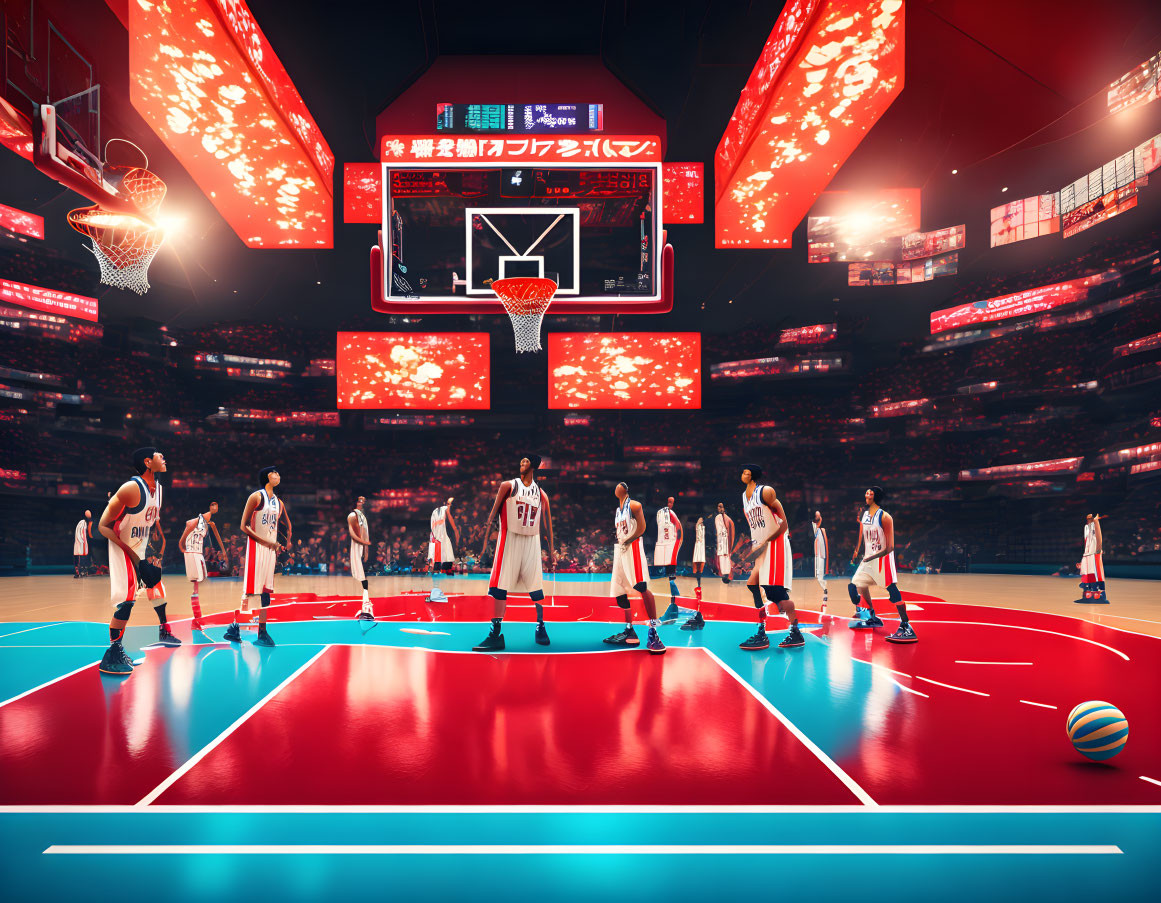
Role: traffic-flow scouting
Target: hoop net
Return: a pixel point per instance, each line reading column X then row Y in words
column 123, row 245
column 525, row 298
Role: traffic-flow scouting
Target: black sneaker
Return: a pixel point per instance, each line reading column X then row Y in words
column 541, row 634
column 653, row 643
column 165, row 636
column 115, row 661
column 903, row 635
column 263, row 638
column 233, row 633
column 366, row 616
column 671, row 614
column 792, row 639
column 493, row 642
column 873, row 620
column 627, row 637
column 697, row 622
column 756, row 642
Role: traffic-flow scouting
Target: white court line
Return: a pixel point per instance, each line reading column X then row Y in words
column 951, row 686
column 1068, row 636
column 909, row 690
column 450, row 849
column 1050, row 614
column 1151, row 780
column 960, row 662
column 38, row 627
column 205, row 750
column 1042, row 705
column 49, row 683
column 826, row 760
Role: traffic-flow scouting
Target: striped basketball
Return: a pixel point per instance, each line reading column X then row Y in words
column 1098, row 730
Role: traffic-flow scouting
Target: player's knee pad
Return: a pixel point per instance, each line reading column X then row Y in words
column 776, row 593
column 122, row 610
column 266, row 600
column 894, row 594
column 623, row 601
column 500, row 595
column 537, row 595
column 640, row 587
column 854, row 593
column 756, row 592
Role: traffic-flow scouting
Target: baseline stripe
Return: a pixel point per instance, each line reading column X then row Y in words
column 583, row 849
column 49, row 683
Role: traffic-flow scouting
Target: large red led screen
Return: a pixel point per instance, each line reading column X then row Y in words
column 1018, row 304
column 427, row 371
column 625, row 370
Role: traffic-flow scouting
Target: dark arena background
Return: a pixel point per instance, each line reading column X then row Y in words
column 679, row 450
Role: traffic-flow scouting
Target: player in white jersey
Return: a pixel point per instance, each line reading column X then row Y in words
column 516, row 569
column 193, row 545
column 773, row 571
column 877, row 536
column 360, row 544
column 821, row 554
column 724, row 537
column 669, row 536
column 440, row 551
column 699, row 551
column 82, row 533
column 127, row 521
column 630, row 571
column 260, row 521
column 1092, row 562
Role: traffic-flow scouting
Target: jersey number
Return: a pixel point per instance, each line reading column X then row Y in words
column 269, row 517
column 526, row 514
column 756, row 518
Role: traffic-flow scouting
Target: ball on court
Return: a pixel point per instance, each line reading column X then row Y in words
column 1098, row 730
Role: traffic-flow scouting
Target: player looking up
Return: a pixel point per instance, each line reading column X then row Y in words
column 260, row 520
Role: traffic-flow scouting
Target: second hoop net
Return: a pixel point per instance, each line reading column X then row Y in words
column 525, row 298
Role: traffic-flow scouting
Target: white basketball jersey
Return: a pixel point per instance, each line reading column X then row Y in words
column 699, row 535
column 722, row 528
column 666, row 528
column 819, row 542
column 195, row 542
column 760, row 516
column 439, row 524
column 134, row 524
column 1090, row 543
column 522, row 509
column 264, row 521
column 624, row 523
column 874, row 536
column 81, row 533
column 361, row 520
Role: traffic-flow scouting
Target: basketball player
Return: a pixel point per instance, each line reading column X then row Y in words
column 669, row 536
column 821, row 550
column 127, row 522
column 440, row 552
column 724, row 531
column 82, row 533
column 260, row 525
column 877, row 536
column 516, row 569
column 1092, row 563
column 360, row 543
column 773, row 571
column 192, row 545
column 630, row 571
column 696, row 621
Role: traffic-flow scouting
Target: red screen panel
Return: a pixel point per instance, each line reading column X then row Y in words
column 36, row 297
column 684, row 199
column 362, row 193
column 426, row 371
column 20, row 222
column 1018, row 304
column 652, row 370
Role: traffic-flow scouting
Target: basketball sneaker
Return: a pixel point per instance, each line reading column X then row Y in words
column 792, row 639
column 263, row 638
column 757, row 642
column 653, row 643
column 873, row 620
column 436, row 595
column 115, row 661
column 541, row 634
column 233, row 633
column 903, row 635
column 165, row 636
column 627, row 637
column 671, row 613
column 493, row 642
column 697, row 622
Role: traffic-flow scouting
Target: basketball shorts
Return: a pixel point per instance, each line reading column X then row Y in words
column 122, row 576
column 440, row 552
column 725, row 564
column 819, row 567
column 517, row 565
column 776, row 567
column 699, row 553
column 665, row 554
column 195, row 567
column 258, row 575
column 80, row 547
column 880, row 572
column 629, row 569
column 357, row 562
column 1092, row 568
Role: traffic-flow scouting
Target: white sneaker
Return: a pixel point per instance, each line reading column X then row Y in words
column 436, row 595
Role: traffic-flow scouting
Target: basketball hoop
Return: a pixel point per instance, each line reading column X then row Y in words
column 525, row 298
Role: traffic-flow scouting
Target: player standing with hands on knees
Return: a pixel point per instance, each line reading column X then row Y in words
column 127, row 522
column 877, row 537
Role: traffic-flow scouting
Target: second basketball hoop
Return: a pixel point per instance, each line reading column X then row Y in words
column 525, row 298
